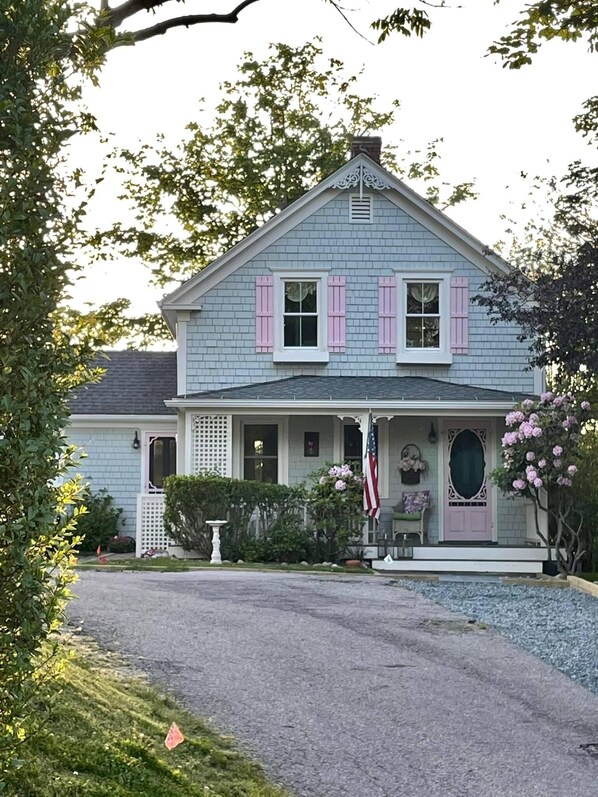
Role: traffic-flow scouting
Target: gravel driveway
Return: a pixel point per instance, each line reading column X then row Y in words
column 352, row 686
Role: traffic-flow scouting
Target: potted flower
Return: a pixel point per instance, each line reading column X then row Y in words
column 411, row 465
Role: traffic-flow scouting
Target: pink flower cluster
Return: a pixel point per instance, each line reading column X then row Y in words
column 341, row 474
column 537, row 430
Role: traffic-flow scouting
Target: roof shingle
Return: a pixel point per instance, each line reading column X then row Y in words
column 135, row 383
column 359, row 388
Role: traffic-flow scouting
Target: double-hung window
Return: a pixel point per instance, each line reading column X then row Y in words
column 300, row 317
column 260, row 452
column 300, row 314
column 423, row 318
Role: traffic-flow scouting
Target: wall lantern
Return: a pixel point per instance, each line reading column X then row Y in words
column 432, row 438
column 136, row 442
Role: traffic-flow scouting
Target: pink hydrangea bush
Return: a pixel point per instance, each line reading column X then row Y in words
column 540, row 452
column 335, row 504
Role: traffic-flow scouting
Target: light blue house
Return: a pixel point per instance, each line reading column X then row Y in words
column 354, row 299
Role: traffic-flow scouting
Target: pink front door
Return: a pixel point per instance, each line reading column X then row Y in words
column 467, row 506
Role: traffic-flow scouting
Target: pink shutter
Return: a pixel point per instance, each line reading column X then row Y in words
column 387, row 317
column 336, row 313
column 264, row 314
column 459, row 315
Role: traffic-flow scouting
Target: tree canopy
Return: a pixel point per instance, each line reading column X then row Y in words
column 537, row 22
column 283, row 126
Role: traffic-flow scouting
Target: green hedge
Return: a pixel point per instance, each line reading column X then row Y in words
column 101, row 522
column 193, row 500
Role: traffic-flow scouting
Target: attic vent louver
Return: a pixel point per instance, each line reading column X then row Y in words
column 360, row 207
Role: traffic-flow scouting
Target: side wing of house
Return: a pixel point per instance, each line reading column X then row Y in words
column 126, row 436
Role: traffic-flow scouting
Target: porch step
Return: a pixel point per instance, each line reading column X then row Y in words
column 420, row 565
column 501, row 553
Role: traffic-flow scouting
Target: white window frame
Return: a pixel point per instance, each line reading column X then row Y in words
column 239, row 423
column 301, row 354
column 425, row 356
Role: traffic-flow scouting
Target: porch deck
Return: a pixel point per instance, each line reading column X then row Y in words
column 499, row 559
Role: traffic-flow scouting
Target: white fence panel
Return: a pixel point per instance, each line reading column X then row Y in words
column 150, row 523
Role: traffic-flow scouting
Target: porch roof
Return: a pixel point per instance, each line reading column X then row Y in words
column 356, row 389
column 134, row 383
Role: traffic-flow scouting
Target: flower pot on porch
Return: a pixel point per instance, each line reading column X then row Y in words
column 354, row 563
column 410, row 476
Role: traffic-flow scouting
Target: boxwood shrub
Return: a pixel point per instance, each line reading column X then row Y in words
column 255, row 513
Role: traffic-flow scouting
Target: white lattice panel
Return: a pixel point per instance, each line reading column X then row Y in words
column 150, row 524
column 211, row 444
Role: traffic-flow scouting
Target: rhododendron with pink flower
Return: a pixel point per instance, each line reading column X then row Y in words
column 541, row 436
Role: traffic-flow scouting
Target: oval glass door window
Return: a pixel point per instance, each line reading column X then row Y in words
column 467, row 464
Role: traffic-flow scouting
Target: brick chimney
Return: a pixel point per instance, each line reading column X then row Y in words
column 368, row 145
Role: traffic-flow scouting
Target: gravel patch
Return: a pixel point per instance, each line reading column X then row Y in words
column 560, row 626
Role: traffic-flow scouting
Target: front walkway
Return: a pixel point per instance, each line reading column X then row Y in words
column 349, row 686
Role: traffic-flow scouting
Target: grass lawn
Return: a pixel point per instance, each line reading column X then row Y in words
column 589, row 576
column 107, row 740
column 167, row 564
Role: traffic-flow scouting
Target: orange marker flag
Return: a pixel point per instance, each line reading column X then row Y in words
column 174, row 737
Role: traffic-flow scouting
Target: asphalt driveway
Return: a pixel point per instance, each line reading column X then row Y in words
column 351, row 686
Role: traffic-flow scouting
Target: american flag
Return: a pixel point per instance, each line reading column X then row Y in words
column 371, row 497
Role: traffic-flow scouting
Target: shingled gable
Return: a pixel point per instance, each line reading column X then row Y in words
column 135, row 383
column 186, row 296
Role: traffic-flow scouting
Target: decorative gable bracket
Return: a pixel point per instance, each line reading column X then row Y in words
column 360, row 177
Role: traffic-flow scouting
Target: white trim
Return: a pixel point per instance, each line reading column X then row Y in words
column 121, row 420
column 441, row 475
column 181, row 356
column 337, row 438
column 442, row 355
column 303, row 406
column 383, row 456
column 539, row 380
column 405, row 198
column 492, row 488
column 181, row 445
column 188, row 444
column 284, row 354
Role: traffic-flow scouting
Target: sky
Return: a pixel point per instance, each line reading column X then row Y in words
column 496, row 123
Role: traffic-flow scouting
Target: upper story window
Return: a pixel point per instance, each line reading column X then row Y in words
column 300, row 317
column 423, row 317
column 300, row 314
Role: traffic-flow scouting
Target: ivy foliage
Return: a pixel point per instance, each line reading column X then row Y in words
column 38, row 361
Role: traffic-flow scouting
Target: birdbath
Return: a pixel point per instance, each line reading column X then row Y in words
column 216, row 525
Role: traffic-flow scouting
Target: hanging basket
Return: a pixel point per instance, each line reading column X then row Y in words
column 410, row 476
